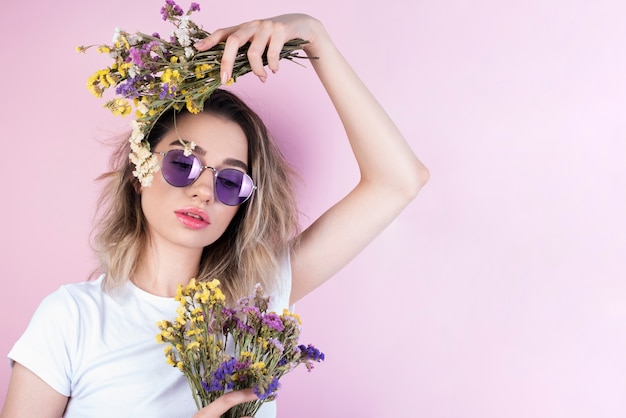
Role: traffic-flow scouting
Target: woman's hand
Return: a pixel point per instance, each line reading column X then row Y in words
column 270, row 33
column 225, row 402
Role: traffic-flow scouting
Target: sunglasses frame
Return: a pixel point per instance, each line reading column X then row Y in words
column 216, row 173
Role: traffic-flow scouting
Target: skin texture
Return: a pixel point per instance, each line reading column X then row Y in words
column 325, row 247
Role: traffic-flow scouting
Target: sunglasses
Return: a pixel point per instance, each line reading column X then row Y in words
column 232, row 187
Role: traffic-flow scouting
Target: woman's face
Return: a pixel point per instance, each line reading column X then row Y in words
column 191, row 217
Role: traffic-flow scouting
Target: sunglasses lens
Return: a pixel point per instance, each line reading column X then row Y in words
column 180, row 170
column 233, row 187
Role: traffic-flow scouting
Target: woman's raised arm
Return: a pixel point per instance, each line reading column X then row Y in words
column 390, row 173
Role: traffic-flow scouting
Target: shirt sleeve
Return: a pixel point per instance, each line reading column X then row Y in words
column 45, row 348
column 282, row 290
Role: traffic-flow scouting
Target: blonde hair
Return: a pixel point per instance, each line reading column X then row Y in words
column 255, row 244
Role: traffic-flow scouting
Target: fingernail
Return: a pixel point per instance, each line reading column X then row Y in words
column 224, row 79
column 199, row 44
column 263, row 79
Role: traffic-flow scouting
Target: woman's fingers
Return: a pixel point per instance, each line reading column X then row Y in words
column 225, row 402
column 268, row 34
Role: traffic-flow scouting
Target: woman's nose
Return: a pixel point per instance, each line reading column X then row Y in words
column 204, row 186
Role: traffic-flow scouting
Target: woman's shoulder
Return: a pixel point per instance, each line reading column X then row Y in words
column 72, row 295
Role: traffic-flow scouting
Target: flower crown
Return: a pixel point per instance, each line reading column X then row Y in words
column 154, row 75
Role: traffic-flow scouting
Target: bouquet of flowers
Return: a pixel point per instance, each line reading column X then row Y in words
column 153, row 74
column 220, row 349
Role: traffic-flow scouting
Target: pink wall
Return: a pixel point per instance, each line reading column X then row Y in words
column 499, row 293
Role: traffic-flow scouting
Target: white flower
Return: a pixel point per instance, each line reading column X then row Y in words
column 134, row 39
column 142, row 108
column 137, row 134
column 184, row 22
column 183, row 37
column 182, row 32
column 189, row 147
column 133, row 71
column 117, row 35
column 146, row 163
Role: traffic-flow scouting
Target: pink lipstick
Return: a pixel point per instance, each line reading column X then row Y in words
column 193, row 218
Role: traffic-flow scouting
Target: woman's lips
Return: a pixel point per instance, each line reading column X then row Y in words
column 193, row 218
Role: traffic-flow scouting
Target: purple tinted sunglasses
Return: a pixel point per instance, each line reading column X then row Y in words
column 232, row 187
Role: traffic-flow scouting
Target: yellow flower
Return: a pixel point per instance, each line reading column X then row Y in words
column 119, row 107
column 103, row 49
column 259, row 365
column 204, row 296
column 81, row 49
column 110, row 78
column 122, row 69
column 122, row 40
column 97, row 83
column 195, row 345
column 191, row 106
column 218, row 296
column 179, row 293
column 195, row 331
column 171, row 76
column 202, row 69
column 288, row 314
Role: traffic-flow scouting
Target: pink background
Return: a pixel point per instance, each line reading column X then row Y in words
column 499, row 293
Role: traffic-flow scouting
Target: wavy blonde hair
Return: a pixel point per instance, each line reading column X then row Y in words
column 255, row 244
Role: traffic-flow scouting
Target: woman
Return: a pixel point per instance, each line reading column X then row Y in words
column 173, row 231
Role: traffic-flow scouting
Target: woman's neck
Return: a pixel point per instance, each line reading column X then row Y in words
column 160, row 271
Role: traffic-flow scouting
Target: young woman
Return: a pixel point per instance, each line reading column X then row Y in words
column 90, row 350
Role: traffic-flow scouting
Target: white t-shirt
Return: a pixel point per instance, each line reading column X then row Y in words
column 101, row 351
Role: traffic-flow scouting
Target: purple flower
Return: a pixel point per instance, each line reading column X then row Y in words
column 142, row 57
column 195, row 7
column 276, row 344
column 167, row 91
column 272, row 320
column 127, row 89
column 251, row 309
column 244, row 327
column 269, row 391
column 221, row 378
column 136, row 55
column 170, row 9
column 164, row 16
column 311, row 353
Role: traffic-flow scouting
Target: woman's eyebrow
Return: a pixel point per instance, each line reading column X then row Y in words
column 198, row 149
column 228, row 161
column 237, row 163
